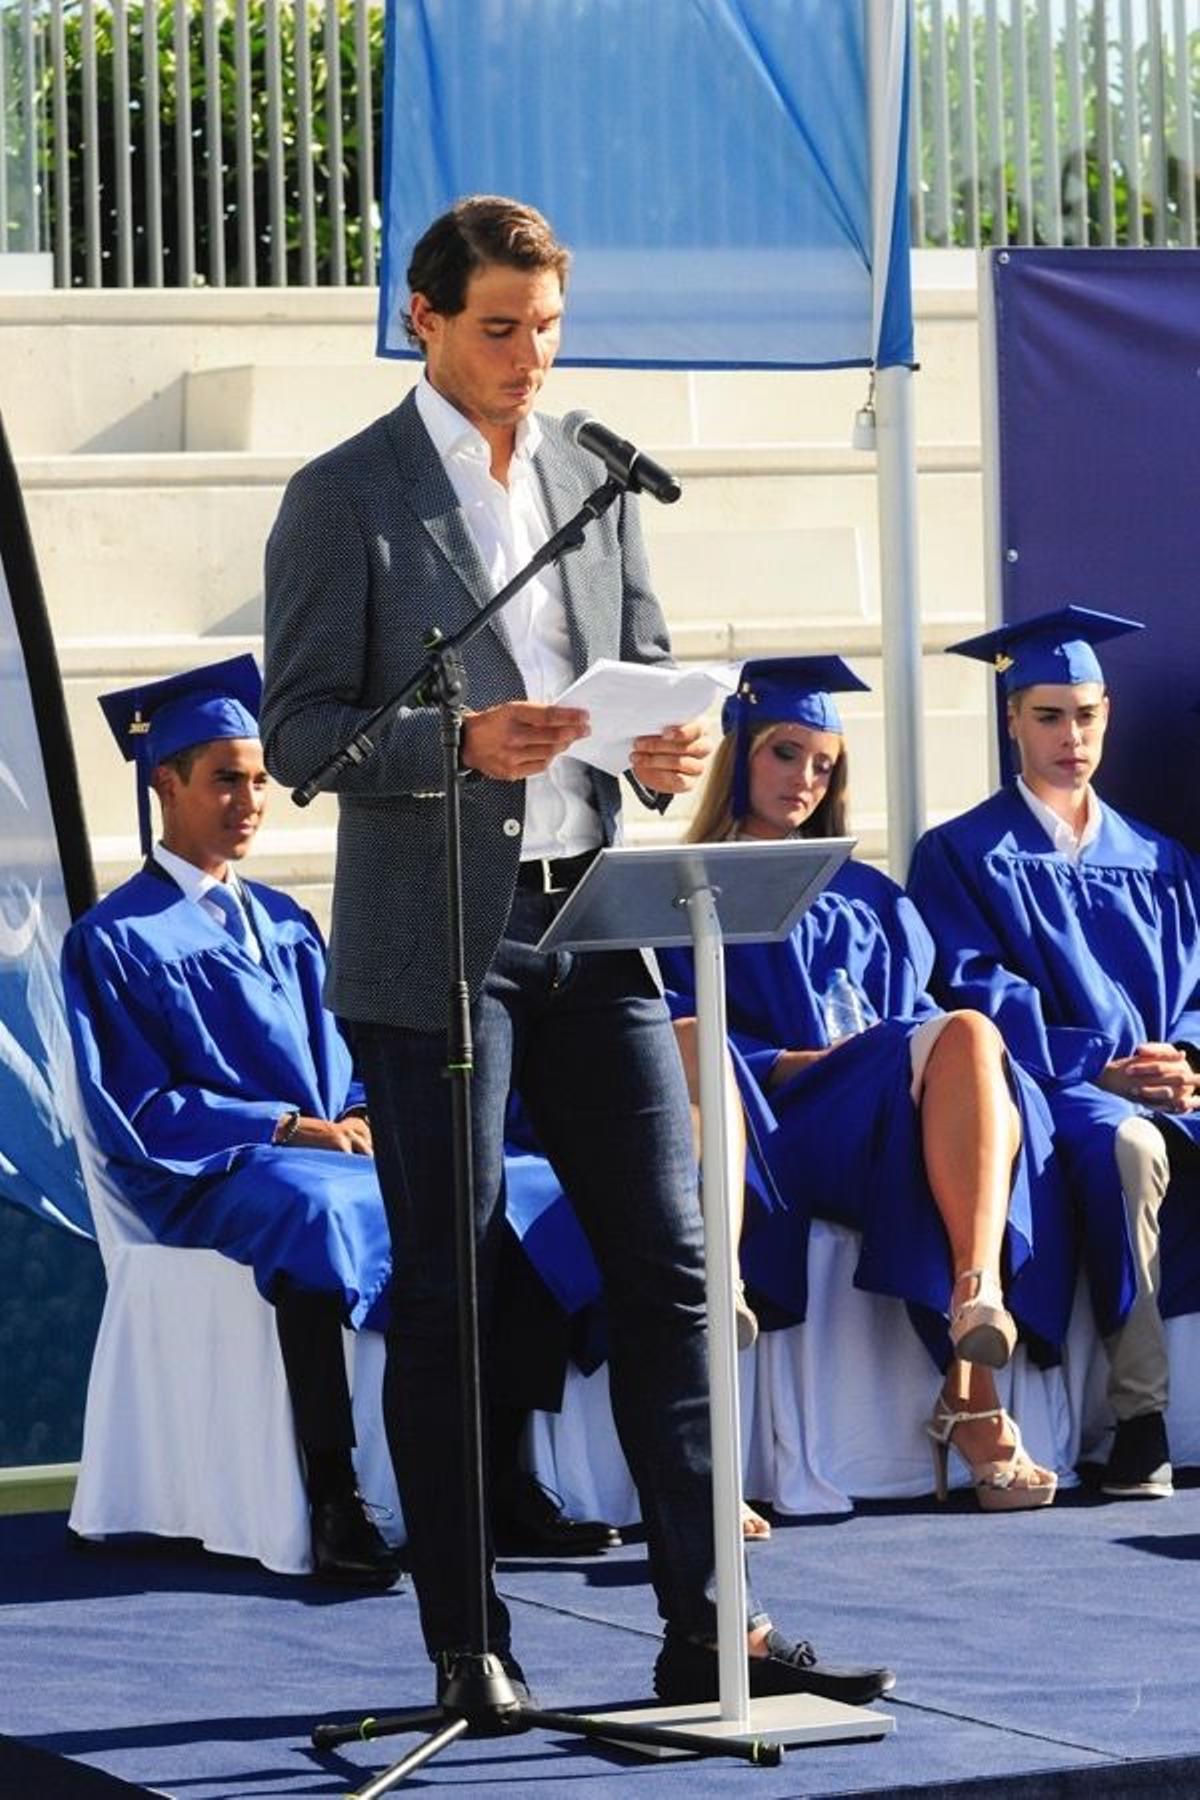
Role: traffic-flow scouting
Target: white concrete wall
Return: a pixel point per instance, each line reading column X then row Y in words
column 154, row 433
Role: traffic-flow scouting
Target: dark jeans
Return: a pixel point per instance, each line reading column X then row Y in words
column 309, row 1328
column 587, row 1041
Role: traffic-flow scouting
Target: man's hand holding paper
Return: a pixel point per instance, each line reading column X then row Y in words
column 672, row 761
column 646, row 718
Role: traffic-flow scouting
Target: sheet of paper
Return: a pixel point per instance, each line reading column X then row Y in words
column 629, row 700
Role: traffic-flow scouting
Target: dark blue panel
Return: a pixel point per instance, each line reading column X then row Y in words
column 51, row 1295
column 1098, row 357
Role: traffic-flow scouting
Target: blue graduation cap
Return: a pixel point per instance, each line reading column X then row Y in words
column 1056, row 647
column 774, row 690
column 157, row 719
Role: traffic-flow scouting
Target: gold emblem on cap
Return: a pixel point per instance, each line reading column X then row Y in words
column 138, row 726
column 1002, row 663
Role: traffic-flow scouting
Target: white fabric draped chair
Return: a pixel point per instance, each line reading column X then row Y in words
column 831, row 1410
column 188, row 1429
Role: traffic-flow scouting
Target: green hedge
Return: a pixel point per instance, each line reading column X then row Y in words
column 173, row 262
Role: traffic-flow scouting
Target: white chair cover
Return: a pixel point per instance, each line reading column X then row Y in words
column 578, row 1455
column 832, row 1409
column 188, row 1429
column 1086, row 1368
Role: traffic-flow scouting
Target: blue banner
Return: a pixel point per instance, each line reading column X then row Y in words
column 707, row 161
column 45, row 876
column 1098, row 390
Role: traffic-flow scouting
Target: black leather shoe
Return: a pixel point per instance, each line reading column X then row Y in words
column 1139, row 1463
column 445, row 1661
column 687, row 1672
column 347, row 1546
column 528, row 1520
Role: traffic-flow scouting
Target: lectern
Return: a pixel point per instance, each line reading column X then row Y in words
column 707, row 895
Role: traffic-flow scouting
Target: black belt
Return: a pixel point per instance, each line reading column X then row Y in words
column 545, row 875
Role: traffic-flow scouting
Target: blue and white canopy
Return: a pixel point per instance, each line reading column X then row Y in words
column 709, row 163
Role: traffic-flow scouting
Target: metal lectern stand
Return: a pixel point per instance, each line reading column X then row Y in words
column 705, row 895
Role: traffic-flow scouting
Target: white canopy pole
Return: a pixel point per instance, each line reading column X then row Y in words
column 896, row 457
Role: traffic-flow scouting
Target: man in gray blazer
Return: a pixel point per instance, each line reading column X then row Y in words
column 415, row 523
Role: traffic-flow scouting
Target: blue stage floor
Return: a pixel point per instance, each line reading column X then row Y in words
column 1042, row 1654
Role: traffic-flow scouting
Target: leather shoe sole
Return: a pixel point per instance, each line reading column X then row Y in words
column 688, row 1673
column 569, row 1537
column 1158, row 1486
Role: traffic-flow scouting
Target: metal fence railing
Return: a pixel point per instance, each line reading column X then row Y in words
column 193, row 142
column 1056, row 122
column 235, row 142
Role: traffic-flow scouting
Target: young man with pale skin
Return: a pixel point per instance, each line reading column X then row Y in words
column 1077, row 930
column 416, row 523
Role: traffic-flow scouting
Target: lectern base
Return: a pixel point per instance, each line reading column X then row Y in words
column 782, row 1719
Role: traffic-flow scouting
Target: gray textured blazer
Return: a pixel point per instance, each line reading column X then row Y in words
column 369, row 550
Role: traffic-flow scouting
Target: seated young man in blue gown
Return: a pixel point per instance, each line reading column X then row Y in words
column 904, row 1122
column 218, row 1088
column 1078, row 931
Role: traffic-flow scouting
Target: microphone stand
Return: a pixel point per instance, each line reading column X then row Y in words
column 479, row 1698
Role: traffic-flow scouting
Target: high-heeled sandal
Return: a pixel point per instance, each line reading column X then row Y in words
column 999, row 1486
column 982, row 1328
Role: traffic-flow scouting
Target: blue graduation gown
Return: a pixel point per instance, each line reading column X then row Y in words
column 188, row 1053
column 843, row 1139
column 1078, row 964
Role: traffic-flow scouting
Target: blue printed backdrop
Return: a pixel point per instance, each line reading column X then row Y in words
column 51, row 1281
column 706, row 160
column 38, row 1166
column 1098, row 370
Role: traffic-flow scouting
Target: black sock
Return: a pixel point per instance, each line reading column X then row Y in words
column 506, row 1424
column 328, row 1475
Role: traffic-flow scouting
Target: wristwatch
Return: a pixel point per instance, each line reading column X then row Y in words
column 287, row 1128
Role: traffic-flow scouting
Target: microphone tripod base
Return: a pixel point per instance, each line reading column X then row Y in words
column 478, row 1700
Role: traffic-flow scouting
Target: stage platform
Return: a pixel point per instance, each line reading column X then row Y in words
column 1038, row 1654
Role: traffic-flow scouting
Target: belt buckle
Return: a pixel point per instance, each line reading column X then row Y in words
column 545, row 875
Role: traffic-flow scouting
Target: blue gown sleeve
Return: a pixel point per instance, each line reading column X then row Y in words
column 1185, row 1026
column 125, row 1071
column 970, row 969
column 752, row 1053
column 917, row 955
column 355, row 1099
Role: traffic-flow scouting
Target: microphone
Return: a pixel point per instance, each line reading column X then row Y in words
column 622, row 459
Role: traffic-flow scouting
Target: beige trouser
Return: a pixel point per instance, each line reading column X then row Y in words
column 1137, row 1353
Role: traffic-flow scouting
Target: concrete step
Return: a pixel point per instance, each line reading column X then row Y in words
column 104, row 370
column 110, row 370
column 147, row 545
column 279, row 406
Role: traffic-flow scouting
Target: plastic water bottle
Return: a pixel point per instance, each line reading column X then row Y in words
column 845, row 1007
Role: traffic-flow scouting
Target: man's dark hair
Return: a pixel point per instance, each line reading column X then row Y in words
column 483, row 229
column 183, row 761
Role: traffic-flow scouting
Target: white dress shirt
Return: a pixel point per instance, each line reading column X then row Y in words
column 196, row 884
column 1057, row 829
column 508, row 525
